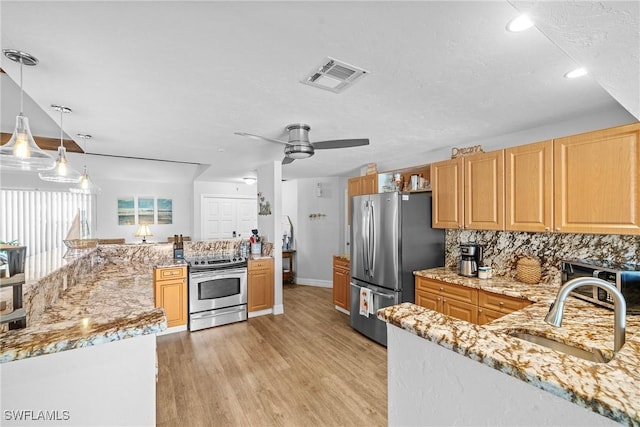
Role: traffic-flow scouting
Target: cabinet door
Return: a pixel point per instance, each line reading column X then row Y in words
column 260, row 286
column 529, row 187
column 597, row 182
column 447, row 187
column 341, row 288
column 484, row 191
column 460, row 310
column 369, row 184
column 172, row 296
column 429, row 300
column 486, row 315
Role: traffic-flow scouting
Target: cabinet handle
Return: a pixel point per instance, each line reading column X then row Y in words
column 441, row 289
column 438, row 299
column 557, row 228
column 501, row 303
column 546, row 229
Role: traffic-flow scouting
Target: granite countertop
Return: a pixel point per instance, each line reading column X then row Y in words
column 611, row 389
column 103, row 302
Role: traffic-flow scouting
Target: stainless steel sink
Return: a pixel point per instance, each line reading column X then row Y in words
column 593, row 355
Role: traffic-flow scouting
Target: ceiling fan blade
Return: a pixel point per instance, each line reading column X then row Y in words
column 250, row 135
column 287, row 160
column 339, row 143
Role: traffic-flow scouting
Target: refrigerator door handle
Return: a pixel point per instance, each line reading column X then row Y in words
column 372, row 242
column 365, row 236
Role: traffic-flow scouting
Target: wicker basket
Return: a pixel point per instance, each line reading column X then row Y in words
column 80, row 243
column 528, row 270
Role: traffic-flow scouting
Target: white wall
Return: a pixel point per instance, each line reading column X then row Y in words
column 290, row 206
column 270, row 226
column 320, row 238
column 219, row 189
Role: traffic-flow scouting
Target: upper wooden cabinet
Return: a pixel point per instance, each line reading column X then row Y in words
column 597, row 182
column 529, row 187
column 484, row 191
column 447, row 187
column 468, row 192
column 359, row 185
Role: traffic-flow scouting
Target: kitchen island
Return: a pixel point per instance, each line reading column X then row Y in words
column 447, row 371
column 87, row 355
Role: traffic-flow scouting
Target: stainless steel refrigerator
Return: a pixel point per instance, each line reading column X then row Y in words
column 391, row 237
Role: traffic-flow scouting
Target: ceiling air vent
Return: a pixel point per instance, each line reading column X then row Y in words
column 333, row 75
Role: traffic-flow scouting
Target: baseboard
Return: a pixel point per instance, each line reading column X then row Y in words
column 259, row 313
column 342, row 310
column 278, row 309
column 173, row 330
column 314, row 282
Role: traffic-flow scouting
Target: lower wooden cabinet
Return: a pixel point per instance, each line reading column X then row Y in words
column 469, row 304
column 170, row 293
column 341, row 282
column 260, row 284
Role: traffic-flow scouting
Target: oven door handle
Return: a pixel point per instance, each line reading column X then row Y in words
column 218, row 274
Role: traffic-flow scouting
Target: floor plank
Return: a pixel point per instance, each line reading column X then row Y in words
column 306, row 367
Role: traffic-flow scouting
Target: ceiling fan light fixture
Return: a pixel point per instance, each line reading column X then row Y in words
column 298, row 151
column 21, row 151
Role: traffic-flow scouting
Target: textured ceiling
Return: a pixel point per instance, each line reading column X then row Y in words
column 174, row 80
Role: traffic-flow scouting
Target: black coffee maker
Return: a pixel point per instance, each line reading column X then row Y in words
column 470, row 259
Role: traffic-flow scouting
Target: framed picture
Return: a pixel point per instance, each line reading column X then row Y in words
column 146, row 210
column 165, row 211
column 126, row 211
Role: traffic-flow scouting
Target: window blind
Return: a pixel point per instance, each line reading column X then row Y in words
column 40, row 219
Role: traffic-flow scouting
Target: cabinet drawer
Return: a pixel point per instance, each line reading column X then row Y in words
column 262, row 264
column 170, row 273
column 501, row 303
column 458, row 292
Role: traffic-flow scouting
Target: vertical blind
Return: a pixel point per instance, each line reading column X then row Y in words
column 40, row 220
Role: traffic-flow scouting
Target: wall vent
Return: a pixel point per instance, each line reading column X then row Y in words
column 333, row 75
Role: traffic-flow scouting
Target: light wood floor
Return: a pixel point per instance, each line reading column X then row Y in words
column 306, row 367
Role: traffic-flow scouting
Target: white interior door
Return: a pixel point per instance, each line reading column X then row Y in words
column 222, row 216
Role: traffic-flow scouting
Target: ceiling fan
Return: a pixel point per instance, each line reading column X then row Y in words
column 299, row 146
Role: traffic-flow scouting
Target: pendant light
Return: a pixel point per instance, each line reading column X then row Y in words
column 61, row 172
column 22, row 152
column 85, row 186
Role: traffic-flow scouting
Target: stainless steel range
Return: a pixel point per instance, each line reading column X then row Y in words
column 217, row 290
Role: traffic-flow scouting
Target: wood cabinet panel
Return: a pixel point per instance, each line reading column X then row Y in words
column 448, row 290
column 486, row 315
column 529, row 187
column 460, row 310
column 484, row 191
column 447, row 187
column 428, row 300
column 359, row 185
column 501, row 303
column 341, row 283
column 260, row 285
column 597, row 182
column 170, row 293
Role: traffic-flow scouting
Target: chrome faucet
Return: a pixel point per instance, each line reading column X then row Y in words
column 554, row 317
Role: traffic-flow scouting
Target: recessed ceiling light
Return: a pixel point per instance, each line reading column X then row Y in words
column 220, row 150
column 249, row 180
column 578, row 72
column 521, row 23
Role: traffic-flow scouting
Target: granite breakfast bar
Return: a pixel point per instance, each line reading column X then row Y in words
column 445, row 371
column 87, row 355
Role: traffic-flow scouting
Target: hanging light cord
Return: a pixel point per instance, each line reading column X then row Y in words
column 21, row 91
column 61, row 132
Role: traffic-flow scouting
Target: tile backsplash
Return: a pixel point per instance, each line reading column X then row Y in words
column 502, row 249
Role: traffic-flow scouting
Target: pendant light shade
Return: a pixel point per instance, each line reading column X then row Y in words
column 22, row 152
column 86, row 185
column 62, row 171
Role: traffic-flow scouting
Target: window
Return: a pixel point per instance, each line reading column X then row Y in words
column 40, row 220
